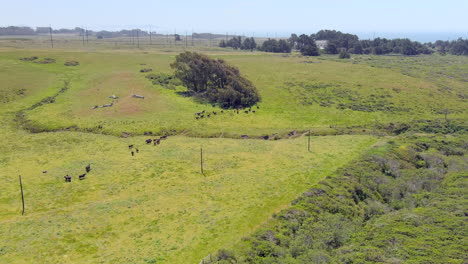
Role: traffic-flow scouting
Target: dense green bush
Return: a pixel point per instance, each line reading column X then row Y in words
column 214, row 80
column 401, row 203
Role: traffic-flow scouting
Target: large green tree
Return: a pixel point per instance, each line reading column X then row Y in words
column 214, row 80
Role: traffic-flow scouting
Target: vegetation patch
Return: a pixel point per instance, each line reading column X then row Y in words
column 165, row 80
column 334, row 95
column 72, row 63
column 33, row 58
column 45, row 61
column 401, row 203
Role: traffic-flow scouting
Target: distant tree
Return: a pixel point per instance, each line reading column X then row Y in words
column 222, row 43
column 293, row 40
column 249, row 44
column 307, row 46
column 273, row 45
column 214, row 80
column 12, row 30
column 331, row 48
column 357, row 48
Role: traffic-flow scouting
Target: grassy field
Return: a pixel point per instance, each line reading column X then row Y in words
column 295, row 95
column 156, row 207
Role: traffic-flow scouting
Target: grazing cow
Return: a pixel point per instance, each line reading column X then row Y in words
column 258, row 107
column 137, row 150
column 138, row 96
column 203, row 111
column 202, row 116
column 208, row 115
column 148, row 141
column 108, row 105
column 158, row 141
column 198, row 113
column 222, row 111
column 214, row 113
column 246, row 111
column 197, row 117
column 67, row 178
column 82, row 176
column 163, row 137
column 133, row 153
column 88, row 168
column 130, row 146
column 253, row 111
column 44, row 171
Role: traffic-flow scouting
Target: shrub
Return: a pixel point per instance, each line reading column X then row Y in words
column 71, row 63
column 344, row 55
column 29, row 58
column 214, row 80
column 164, row 79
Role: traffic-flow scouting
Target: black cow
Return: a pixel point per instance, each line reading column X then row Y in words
column 133, row 153
column 148, row 141
column 163, row 137
column 246, row 112
column 258, row 107
column 137, row 150
column 44, row 171
column 82, row 176
column 67, row 178
column 88, row 168
column 253, row 111
column 130, row 146
column 214, row 113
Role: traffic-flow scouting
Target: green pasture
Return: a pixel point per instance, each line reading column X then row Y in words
column 156, row 205
column 297, row 94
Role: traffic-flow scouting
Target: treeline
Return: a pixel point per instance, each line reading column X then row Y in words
column 238, row 43
column 401, row 203
column 27, row 31
column 454, row 47
column 336, row 42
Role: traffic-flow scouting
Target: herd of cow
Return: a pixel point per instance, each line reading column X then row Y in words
column 155, row 141
column 68, row 178
column 203, row 114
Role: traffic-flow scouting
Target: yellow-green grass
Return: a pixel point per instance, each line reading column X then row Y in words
column 278, row 78
column 155, row 205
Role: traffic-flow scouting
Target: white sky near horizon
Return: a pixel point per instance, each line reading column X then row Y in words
column 254, row 17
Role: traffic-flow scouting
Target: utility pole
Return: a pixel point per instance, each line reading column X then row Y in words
column 201, row 161
column 51, row 40
column 82, row 35
column 22, row 195
column 138, row 38
column 150, row 34
column 192, row 37
column 87, row 40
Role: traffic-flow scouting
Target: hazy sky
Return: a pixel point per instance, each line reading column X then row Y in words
column 243, row 16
